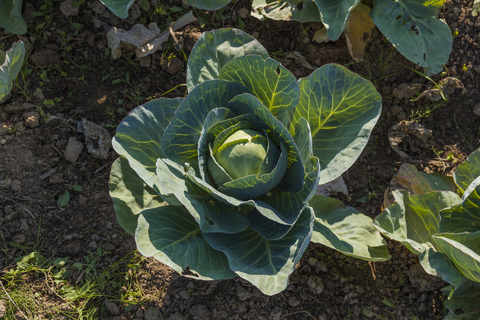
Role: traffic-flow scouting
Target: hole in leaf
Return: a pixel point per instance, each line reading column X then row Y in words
column 300, row 6
column 398, row 17
column 277, row 70
column 414, row 29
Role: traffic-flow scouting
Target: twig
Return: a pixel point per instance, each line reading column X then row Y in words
column 57, row 150
column 96, row 171
column 13, row 301
column 21, row 199
column 178, row 46
column 49, row 173
column 297, row 312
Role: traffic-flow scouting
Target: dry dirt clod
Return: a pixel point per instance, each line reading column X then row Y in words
column 243, row 13
column 411, row 133
column 98, row 7
column 45, row 57
column 4, row 128
column 73, row 150
column 10, row 109
column 16, row 185
column 153, row 314
column 476, row 109
column 199, row 312
column 111, row 307
column 315, row 284
column 31, row 119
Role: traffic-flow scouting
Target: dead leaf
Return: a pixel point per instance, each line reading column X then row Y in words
column 321, row 36
column 358, row 31
column 447, row 87
column 298, row 56
column 407, row 134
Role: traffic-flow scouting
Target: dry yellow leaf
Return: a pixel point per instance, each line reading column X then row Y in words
column 358, row 30
column 321, row 36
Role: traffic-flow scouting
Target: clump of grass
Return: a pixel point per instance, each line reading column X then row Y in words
column 34, row 287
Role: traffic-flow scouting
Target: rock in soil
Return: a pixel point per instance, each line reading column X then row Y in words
column 153, row 314
column 174, row 65
column 111, row 307
column 67, row 8
column 31, row 119
column 45, row 57
column 73, row 150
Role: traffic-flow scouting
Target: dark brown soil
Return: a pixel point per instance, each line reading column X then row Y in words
column 326, row 285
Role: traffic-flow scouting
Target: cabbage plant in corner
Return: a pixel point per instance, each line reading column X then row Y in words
column 443, row 228
column 222, row 182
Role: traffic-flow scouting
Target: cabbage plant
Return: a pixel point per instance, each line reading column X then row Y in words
column 11, row 62
column 443, row 228
column 222, row 182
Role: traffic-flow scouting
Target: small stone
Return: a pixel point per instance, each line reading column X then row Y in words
column 5, row 183
column 73, row 150
column 153, row 314
column 174, row 65
column 199, row 312
column 145, row 62
column 16, row 185
column 243, row 294
column 139, row 313
column 98, row 7
column 315, row 284
column 276, row 314
column 184, row 294
column 293, row 301
column 402, row 116
column 476, row 111
column 3, row 142
column 38, row 95
column 4, row 128
column 135, row 12
column 45, row 57
column 394, row 110
column 31, row 119
column 67, row 8
column 243, row 13
column 312, row 261
column 111, row 307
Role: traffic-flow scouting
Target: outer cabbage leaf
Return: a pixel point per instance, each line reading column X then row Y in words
column 130, row 195
column 208, row 4
column 346, row 230
column 412, row 220
column 210, row 215
column 413, row 28
column 214, row 49
column 464, row 216
column 465, row 297
column 286, row 10
column 180, row 140
column 342, row 108
column 467, row 171
column 10, row 65
column 119, row 7
column 11, row 17
column 418, row 182
column 276, row 87
column 266, row 264
column 334, row 15
column 171, row 235
column 463, row 249
column 142, row 147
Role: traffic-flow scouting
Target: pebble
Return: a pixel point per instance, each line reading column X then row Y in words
column 476, row 110
column 111, row 307
column 276, row 314
column 20, row 239
column 4, row 128
column 16, row 185
column 293, row 301
column 3, row 142
column 243, row 294
column 19, row 127
column 98, row 7
column 394, row 110
column 153, row 314
column 28, row 106
column 134, row 12
column 139, row 313
column 31, row 119
column 5, row 183
column 174, row 65
column 315, row 284
column 243, row 13
column 73, row 150
column 199, row 312
column 67, row 8
column 145, row 62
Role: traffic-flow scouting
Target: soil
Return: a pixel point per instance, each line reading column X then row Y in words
column 70, row 75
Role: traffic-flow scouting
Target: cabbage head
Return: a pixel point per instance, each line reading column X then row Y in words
column 222, row 183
